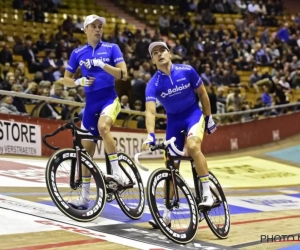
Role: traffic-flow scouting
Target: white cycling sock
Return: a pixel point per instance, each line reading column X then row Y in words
column 113, row 158
column 86, row 183
column 167, row 213
column 205, row 184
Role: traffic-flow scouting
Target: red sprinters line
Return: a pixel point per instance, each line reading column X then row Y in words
column 258, row 220
column 62, row 244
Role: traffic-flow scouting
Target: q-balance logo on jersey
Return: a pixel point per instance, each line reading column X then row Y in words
column 175, row 90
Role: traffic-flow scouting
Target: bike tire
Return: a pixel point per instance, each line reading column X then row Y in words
column 138, row 211
column 178, row 237
column 220, row 232
column 92, row 212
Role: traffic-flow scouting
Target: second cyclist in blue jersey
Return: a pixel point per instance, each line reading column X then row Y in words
column 174, row 85
column 100, row 63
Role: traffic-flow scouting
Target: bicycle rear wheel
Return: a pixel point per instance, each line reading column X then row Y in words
column 131, row 200
column 184, row 217
column 218, row 217
column 57, row 176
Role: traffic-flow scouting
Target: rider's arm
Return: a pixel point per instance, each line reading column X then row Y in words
column 71, row 70
column 150, row 116
column 69, row 80
column 119, row 72
column 199, row 87
column 201, row 91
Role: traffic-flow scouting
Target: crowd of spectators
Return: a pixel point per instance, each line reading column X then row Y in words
column 217, row 53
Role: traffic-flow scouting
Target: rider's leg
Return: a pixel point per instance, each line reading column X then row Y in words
column 110, row 147
column 194, row 140
column 90, row 147
column 105, row 123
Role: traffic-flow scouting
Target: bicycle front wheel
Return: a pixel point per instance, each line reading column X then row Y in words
column 63, row 190
column 184, row 215
column 131, row 200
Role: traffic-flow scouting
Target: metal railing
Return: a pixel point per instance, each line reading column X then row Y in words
column 294, row 107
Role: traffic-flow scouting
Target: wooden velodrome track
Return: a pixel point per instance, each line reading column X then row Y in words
column 263, row 193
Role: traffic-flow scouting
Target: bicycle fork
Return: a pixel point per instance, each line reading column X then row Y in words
column 76, row 167
column 171, row 188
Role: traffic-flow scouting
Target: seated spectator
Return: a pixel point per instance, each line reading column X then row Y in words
column 41, row 44
column 125, row 102
column 283, row 34
column 295, row 78
column 80, row 97
column 212, row 99
column 28, row 15
column 253, row 8
column 57, row 90
column 18, row 102
column 10, row 80
column 207, row 76
column 255, row 77
column 241, row 4
column 78, row 26
column 234, row 100
column 6, row 55
column 30, row 56
column 164, row 24
column 49, row 60
column 64, row 60
column 59, row 73
column 48, row 110
column 66, row 109
column 39, row 16
column 68, row 24
column 44, row 85
column 7, row 107
column 266, row 98
column 243, row 64
column 234, row 78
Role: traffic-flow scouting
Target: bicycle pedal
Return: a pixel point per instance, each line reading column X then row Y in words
column 112, row 185
column 110, row 198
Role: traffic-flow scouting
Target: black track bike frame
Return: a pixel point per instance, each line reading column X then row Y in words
column 77, row 145
column 170, row 159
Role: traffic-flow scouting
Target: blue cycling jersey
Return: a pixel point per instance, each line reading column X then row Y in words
column 109, row 53
column 175, row 92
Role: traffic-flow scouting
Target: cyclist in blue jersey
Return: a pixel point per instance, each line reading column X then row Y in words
column 174, row 85
column 100, row 63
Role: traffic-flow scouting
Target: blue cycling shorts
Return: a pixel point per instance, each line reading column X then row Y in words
column 101, row 102
column 190, row 120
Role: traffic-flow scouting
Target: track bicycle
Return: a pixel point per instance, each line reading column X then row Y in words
column 184, row 205
column 64, row 179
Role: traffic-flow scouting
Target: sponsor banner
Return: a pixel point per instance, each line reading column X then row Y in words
column 20, row 138
column 266, row 202
column 131, row 144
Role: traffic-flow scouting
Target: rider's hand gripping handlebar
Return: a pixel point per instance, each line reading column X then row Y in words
column 156, row 147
